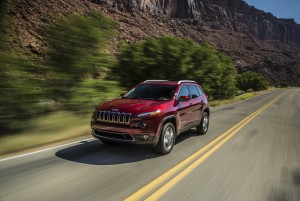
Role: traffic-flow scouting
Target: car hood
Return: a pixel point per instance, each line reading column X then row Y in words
column 133, row 106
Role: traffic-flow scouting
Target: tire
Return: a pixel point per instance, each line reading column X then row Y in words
column 203, row 126
column 166, row 140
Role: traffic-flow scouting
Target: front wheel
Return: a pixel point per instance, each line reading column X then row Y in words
column 166, row 139
column 203, row 127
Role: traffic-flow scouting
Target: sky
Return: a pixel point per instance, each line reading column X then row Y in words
column 279, row 8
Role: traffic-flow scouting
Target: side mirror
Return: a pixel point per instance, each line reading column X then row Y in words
column 184, row 98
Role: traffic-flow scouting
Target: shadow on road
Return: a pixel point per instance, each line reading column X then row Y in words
column 97, row 153
column 186, row 135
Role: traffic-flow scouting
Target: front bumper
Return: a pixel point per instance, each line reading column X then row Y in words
column 125, row 134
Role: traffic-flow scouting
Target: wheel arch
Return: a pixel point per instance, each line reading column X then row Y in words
column 172, row 119
column 206, row 109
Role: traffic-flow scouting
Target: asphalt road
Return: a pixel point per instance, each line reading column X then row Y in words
column 260, row 160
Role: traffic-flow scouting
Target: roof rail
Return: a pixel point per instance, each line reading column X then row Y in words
column 181, row 81
column 156, row 80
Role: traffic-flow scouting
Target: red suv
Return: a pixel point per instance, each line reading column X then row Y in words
column 153, row 112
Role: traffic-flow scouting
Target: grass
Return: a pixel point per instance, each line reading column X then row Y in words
column 53, row 128
column 238, row 98
column 232, row 100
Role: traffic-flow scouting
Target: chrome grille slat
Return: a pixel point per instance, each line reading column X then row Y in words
column 121, row 120
column 106, row 116
column 113, row 117
column 116, row 120
column 102, row 115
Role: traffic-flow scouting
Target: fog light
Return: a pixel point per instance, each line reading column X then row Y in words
column 141, row 125
column 146, row 137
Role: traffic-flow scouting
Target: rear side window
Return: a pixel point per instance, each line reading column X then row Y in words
column 183, row 91
column 193, row 91
column 200, row 91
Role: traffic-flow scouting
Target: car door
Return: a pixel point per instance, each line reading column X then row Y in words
column 195, row 103
column 185, row 111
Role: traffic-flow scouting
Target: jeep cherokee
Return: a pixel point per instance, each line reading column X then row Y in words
column 153, row 112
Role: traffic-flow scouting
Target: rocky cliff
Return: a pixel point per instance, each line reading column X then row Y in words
column 255, row 40
column 234, row 14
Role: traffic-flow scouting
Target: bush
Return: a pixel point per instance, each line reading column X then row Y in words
column 91, row 92
column 251, row 80
column 283, row 84
column 174, row 58
column 240, row 92
column 77, row 47
column 249, row 90
column 19, row 92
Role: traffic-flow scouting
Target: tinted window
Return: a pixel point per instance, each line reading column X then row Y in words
column 183, row 91
column 193, row 91
column 200, row 91
column 152, row 92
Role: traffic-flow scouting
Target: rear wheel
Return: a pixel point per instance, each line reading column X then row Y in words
column 203, row 127
column 166, row 139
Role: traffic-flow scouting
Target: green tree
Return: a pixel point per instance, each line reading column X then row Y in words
column 174, row 58
column 77, row 47
column 20, row 93
column 251, row 80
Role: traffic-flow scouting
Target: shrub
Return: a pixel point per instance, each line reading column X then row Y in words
column 174, row 58
column 19, row 92
column 78, row 46
column 240, row 92
column 251, row 80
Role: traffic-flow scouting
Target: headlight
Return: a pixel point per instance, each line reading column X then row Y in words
column 149, row 114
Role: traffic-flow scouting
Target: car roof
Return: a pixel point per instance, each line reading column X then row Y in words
column 167, row 82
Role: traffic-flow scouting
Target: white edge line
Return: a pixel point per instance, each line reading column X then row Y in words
column 35, row 152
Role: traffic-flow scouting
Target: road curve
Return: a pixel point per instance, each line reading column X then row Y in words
column 259, row 162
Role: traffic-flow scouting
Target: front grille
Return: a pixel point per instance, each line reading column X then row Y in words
column 112, row 135
column 113, row 117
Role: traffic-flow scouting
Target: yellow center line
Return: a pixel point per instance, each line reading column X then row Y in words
column 155, row 183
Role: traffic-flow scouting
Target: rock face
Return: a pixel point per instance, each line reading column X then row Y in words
column 255, row 40
column 232, row 14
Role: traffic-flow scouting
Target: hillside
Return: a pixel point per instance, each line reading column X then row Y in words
column 255, row 40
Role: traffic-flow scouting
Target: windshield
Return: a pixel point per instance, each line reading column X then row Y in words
column 152, row 92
